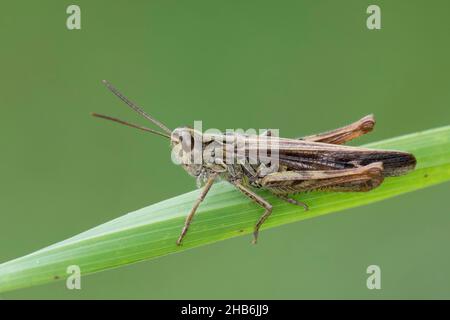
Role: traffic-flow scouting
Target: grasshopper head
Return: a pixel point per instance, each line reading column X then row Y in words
column 187, row 149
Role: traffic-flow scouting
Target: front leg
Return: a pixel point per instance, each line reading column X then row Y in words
column 259, row 200
column 191, row 214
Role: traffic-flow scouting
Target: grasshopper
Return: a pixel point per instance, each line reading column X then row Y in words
column 315, row 162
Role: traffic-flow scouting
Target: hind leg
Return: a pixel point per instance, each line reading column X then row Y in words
column 344, row 134
column 290, row 200
column 359, row 179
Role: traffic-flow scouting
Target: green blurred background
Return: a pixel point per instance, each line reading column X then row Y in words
column 301, row 66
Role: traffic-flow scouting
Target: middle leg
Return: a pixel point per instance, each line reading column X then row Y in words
column 259, row 200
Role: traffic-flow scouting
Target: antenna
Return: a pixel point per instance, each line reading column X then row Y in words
column 133, row 106
column 130, row 124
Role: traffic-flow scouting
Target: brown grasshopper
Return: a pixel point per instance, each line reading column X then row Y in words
column 316, row 162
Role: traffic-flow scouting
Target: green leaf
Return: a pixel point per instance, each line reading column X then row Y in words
column 152, row 231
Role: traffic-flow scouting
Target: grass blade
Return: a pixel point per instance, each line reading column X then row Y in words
column 152, row 231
